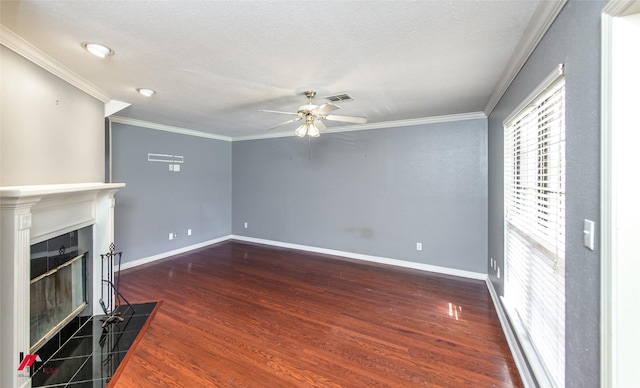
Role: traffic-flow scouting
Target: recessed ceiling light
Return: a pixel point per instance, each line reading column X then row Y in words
column 146, row 92
column 98, row 50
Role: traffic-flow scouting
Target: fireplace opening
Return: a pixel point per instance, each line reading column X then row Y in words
column 58, row 290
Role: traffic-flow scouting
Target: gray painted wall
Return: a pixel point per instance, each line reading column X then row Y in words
column 50, row 131
column 573, row 39
column 157, row 202
column 376, row 192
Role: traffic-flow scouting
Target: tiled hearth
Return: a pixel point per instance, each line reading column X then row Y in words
column 91, row 355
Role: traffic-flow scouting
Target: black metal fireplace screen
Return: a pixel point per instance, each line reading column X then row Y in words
column 58, row 286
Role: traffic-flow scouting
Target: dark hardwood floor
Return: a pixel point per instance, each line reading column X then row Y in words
column 248, row 315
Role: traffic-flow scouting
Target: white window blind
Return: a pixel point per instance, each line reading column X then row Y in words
column 534, row 196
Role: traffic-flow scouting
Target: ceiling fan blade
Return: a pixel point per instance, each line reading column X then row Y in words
column 347, row 119
column 324, row 109
column 320, row 125
column 277, row 111
column 285, row 123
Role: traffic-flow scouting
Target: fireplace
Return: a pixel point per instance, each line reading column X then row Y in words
column 33, row 215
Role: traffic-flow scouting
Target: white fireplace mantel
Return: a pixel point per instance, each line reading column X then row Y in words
column 31, row 214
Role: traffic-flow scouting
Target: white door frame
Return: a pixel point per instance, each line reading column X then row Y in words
column 620, row 273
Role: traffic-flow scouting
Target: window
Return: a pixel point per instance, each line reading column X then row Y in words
column 534, row 196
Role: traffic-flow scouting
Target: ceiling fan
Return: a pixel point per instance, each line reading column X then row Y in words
column 313, row 115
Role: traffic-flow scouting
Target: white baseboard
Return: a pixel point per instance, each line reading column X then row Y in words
column 374, row 259
column 350, row 255
column 164, row 255
column 518, row 357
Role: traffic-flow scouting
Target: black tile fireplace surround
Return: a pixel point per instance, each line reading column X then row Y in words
column 83, row 354
column 52, row 253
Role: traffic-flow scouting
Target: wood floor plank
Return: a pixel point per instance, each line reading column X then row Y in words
column 249, row 315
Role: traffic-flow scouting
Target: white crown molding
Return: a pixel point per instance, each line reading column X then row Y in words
column 346, row 128
column 378, row 125
column 621, row 7
column 166, row 128
column 544, row 16
column 12, row 41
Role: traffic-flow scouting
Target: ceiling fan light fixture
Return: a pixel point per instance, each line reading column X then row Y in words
column 301, row 131
column 312, row 130
column 314, row 116
column 97, row 49
column 146, row 92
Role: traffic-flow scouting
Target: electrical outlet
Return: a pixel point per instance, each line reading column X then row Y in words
column 188, row 232
column 246, row 225
column 418, row 246
column 170, row 236
column 498, row 272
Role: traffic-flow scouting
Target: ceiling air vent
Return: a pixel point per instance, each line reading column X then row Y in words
column 339, row 97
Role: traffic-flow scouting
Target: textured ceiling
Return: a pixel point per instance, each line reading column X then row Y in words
column 215, row 63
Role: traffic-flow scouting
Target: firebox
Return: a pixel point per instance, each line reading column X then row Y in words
column 58, row 286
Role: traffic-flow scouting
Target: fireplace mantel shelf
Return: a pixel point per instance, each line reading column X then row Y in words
column 44, row 190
